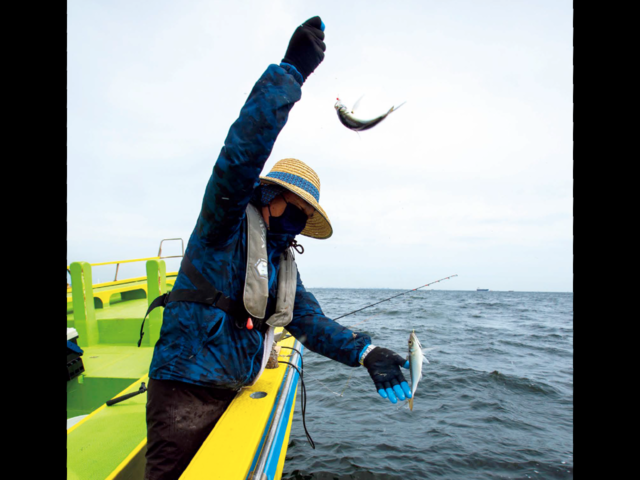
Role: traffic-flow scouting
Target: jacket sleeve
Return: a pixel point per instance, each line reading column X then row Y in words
column 245, row 151
column 322, row 335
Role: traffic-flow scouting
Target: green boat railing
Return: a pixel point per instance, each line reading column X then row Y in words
column 86, row 296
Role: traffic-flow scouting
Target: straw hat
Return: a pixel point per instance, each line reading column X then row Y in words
column 298, row 178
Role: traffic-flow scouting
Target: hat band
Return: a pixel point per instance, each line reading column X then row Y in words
column 297, row 181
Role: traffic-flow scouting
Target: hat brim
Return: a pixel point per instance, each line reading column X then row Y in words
column 318, row 226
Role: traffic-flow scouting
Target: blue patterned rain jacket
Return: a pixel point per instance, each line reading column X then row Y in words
column 200, row 344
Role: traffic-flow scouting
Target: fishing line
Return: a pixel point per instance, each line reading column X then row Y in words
column 341, row 394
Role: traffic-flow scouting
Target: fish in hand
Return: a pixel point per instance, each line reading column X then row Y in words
column 416, row 357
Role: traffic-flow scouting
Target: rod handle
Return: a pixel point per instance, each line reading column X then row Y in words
column 113, row 401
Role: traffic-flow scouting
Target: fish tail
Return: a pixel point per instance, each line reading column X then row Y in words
column 411, row 404
column 393, row 109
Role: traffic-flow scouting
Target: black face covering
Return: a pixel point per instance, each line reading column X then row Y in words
column 292, row 220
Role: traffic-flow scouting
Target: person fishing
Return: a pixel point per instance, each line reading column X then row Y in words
column 238, row 278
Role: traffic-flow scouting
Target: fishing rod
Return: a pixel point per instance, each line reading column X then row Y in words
column 403, row 293
column 360, row 309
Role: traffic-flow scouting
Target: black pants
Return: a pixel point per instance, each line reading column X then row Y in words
column 180, row 416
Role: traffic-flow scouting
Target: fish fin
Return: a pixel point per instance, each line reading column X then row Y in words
column 355, row 105
column 411, row 404
column 425, row 359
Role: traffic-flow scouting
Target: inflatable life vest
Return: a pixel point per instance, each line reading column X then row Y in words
column 256, row 286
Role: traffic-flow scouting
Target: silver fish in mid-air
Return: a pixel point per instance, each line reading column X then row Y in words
column 348, row 119
column 416, row 357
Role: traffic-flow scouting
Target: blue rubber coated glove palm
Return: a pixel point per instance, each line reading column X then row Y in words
column 384, row 368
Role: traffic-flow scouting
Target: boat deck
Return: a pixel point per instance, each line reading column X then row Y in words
column 108, row 370
column 119, row 324
column 115, row 361
column 109, row 438
column 110, row 442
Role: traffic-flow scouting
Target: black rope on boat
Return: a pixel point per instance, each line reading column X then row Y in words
column 303, row 401
column 299, row 353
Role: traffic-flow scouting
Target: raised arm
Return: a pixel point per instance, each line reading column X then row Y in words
column 251, row 137
column 245, row 151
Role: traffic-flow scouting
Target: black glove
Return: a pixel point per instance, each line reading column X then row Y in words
column 384, row 368
column 306, row 48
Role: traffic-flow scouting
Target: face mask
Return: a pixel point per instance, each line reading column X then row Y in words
column 292, row 221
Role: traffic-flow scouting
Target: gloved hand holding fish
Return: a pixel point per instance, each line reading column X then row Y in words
column 349, row 120
column 384, row 368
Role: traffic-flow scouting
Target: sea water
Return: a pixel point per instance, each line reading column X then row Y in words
column 495, row 401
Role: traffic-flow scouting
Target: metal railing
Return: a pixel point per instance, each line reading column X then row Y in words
column 166, row 240
column 118, row 262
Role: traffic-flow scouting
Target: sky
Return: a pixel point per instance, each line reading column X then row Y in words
column 472, row 176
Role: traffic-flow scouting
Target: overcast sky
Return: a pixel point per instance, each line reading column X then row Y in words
column 472, row 176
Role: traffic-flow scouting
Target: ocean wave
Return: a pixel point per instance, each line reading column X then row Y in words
column 522, row 384
column 495, row 401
